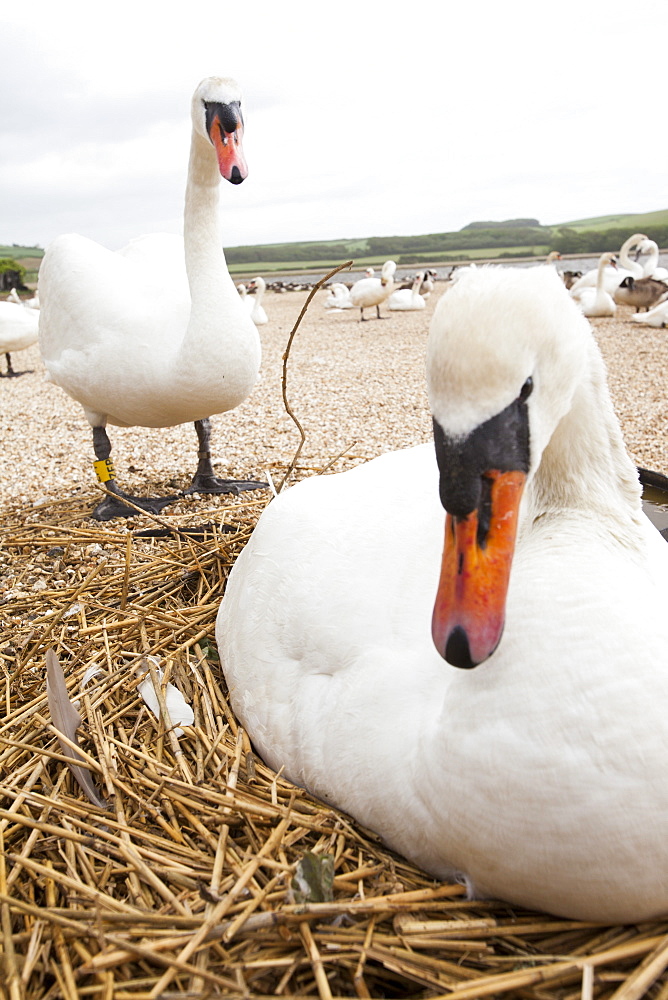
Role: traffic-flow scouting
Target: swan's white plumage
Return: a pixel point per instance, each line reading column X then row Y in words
column 254, row 302
column 613, row 276
column 18, row 327
column 372, row 291
column 539, row 775
column 651, row 268
column 408, row 299
column 177, row 345
column 338, row 296
column 598, row 301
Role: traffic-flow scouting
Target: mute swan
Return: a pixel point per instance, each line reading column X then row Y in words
column 538, row 776
column 626, row 268
column 405, row 299
column 18, row 330
column 338, row 297
column 369, row 292
column 178, row 348
column 597, row 301
column 254, row 302
column 651, row 267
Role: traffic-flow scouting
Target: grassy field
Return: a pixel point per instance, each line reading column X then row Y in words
column 603, row 222
column 354, row 249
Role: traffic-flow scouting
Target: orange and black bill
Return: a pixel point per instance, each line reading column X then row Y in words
column 225, row 126
column 481, row 478
column 469, row 610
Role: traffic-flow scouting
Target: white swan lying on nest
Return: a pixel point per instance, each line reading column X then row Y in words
column 408, row 299
column 178, row 345
column 338, row 296
column 540, row 775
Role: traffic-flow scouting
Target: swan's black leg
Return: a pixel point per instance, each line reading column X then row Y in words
column 205, row 480
column 10, row 373
column 113, row 506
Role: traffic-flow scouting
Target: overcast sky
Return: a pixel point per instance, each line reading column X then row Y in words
column 389, row 119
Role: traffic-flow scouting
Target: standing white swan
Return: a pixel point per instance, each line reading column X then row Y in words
column 538, row 776
column 178, row 345
column 597, row 301
column 18, row 330
column 369, row 292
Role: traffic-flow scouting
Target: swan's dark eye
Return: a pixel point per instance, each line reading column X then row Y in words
column 526, row 389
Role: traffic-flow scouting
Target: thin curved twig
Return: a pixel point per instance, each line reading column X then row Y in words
column 284, row 379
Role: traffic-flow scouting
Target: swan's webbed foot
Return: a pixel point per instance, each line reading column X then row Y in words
column 113, row 506
column 117, row 503
column 208, row 483
column 205, row 480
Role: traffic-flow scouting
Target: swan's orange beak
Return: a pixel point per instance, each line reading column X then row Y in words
column 469, row 611
column 226, row 129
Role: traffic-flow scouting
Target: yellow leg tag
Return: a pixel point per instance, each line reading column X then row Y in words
column 104, row 470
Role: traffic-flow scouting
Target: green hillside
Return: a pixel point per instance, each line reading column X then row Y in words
column 524, row 237
column 634, row 222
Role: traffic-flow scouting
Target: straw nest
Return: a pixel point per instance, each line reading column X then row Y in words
column 194, row 880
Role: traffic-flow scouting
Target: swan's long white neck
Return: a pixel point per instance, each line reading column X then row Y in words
column 219, row 327
column 600, row 277
column 208, row 277
column 651, row 264
column 632, row 266
column 585, row 466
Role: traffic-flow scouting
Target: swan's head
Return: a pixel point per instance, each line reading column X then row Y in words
column 505, row 355
column 217, row 118
column 387, row 272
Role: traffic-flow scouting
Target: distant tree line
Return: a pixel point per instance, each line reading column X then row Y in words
column 508, row 224
column 287, row 251
column 449, row 246
column 567, row 240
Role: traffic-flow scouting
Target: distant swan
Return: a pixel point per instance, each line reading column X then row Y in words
column 408, row 299
column 651, row 267
column 18, row 331
column 338, row 297
column 597, row 301
column 538, row 774
column 254, row 302
column 178, row 345
column 613, row 277
column 368, row 292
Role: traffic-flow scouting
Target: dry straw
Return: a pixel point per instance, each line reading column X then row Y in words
column 181, row 886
